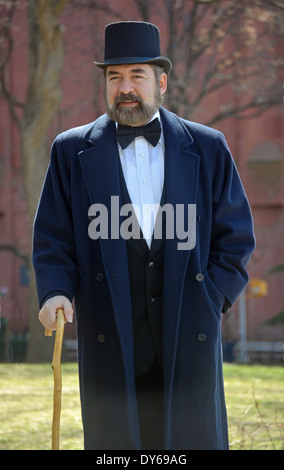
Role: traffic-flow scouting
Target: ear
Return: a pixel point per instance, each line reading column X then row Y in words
column 163, row 83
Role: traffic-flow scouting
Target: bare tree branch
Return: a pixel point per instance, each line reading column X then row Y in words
column 277, row 4
column 7, row 10
column 17, row 252
column 101, row 6
column 224, row 45
column 241, row 112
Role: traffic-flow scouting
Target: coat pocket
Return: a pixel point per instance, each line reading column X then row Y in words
column 216, row 297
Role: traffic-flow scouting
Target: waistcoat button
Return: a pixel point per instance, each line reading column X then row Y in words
column 202, row 337
column 199, row 277
column 101, row 338
column 99, row 277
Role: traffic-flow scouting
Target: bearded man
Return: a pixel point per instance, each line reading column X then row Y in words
column 148, row 308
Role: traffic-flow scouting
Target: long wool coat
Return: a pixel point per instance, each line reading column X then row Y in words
column 199, row 169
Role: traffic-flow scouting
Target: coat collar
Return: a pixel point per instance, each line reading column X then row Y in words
column 98, row 130
column 175, row 128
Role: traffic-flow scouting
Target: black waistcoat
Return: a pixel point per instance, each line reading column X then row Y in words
column 146, row 287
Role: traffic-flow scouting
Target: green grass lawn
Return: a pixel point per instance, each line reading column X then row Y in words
column 255, row 403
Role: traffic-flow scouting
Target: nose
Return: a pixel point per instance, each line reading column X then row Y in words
column 126, row 86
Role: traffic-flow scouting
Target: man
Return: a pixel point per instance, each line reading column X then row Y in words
column 148, row 308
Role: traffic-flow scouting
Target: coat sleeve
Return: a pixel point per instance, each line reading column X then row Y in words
column 53, row 241
column 232, row 237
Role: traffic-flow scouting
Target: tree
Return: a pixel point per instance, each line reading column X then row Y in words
column 231, row 46
column 34, row 115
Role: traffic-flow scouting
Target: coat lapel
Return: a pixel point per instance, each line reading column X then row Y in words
column 100, row 167
column 182, row 168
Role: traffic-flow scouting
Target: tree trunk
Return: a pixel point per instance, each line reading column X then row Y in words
column 43, row 98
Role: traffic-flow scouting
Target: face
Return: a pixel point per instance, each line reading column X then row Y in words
column 133, row 93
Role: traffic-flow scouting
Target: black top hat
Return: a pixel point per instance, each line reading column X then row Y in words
column 133, row 42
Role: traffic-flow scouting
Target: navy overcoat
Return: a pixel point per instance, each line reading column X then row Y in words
column 199, row 169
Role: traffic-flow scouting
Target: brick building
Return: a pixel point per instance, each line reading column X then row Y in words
column 257, row 145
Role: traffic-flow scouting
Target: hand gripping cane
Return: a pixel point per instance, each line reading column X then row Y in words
column 56, row 366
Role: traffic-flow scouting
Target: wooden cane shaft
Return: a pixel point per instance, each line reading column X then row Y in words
column 56, row 366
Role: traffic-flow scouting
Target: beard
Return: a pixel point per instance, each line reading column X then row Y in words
column 139, row 114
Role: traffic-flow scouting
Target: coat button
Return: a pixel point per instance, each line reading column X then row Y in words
column 202, row 337
column 101, row 338
column 151, row 265
column 99, row 277
column 199, row 277
column 153, row 299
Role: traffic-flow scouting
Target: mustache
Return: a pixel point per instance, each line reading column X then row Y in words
column 122, row 98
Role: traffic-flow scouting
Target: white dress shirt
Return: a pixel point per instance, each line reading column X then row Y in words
column 143, row 170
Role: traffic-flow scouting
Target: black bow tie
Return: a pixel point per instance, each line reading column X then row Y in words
column 151, row 132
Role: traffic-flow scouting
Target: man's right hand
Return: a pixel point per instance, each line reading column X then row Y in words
column 47, row 314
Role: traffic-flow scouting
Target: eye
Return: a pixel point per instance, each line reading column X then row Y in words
column 111, row 78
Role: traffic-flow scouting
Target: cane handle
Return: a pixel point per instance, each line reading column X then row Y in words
column 49, row 332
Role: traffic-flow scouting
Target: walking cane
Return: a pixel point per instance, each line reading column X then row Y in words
column 56, row 366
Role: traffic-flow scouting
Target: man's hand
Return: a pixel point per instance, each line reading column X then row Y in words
column 47, row 314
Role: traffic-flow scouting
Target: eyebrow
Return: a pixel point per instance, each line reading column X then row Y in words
column 138, row 71
column 114, row 72
column 111, row 72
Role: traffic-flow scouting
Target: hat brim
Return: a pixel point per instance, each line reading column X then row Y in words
column 163, row 62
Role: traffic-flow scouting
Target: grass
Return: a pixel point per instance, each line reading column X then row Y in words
column 26, row 404
column 254, row 395
column 255, row 405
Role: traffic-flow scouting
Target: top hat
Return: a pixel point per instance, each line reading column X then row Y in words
column 133, row 42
